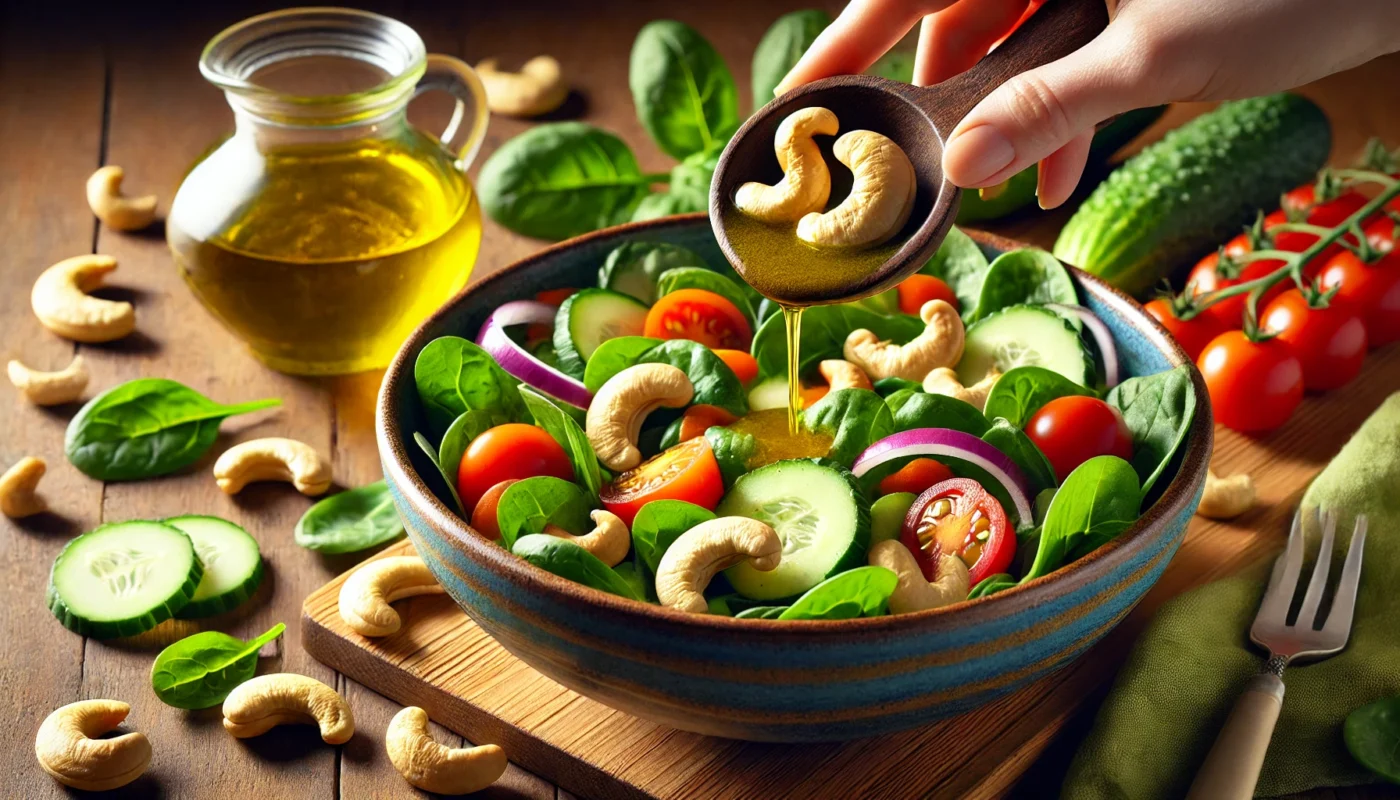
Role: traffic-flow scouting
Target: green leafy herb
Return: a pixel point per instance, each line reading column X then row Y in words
column 781, row 46
column 145, row 428
column 1028, row 276
column 659, row 524
column 1017, row 446
column 613, row 356
column 450, row 478
column 570, row 436
column 855, row 418
column 1158, row 410
column 1098, row 501
column 350, row 521
column 860, row 592
column 824, row 332
column 634, row 267
column 732, row 450
column 529, row 505
column 199, row 671
column 697, row 278
column 1372, row 735
column 684, row 94
column 715, row 383
column 568, row 560
column 962, row 265
column 914, row 408
column 1022, row 391
column 454, row 376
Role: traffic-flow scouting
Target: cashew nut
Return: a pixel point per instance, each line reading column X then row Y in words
column 940, row 345
column 881, row 198
column 17, row 485
column 945, row 381
column 433, row 767
column 68, row 750
column 609, row 540
column 696, row 555
column 50, row 388
column 538, row 88
column 806, row 182
column 841, row 374
column 366, row 594
column 61, row 302
column 615, row 416
column 104, row 196
column 914, row 592
column 258, row 705
column 273, row 459
column 1225, row 498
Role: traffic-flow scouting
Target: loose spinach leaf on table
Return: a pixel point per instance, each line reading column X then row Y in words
column 855, row 418
column 570, row 436
column 199, row 671
column 715, row 383
column 698, row 278
column 634, row 267
column 613, row 356
column 684, row 94
column 1020, row 277
column 1022, row 391
column 914, row 408
column 781, row 46
column 1018, row 447
column 860, row 592
column 562, row 179
column 529, row 505
column 1099, row 500
column 454, row 376
column 1372, row 736
column 659, row 524
column 450, row 478
column 568, row 560
column 962, row 265
column 732, row 450
column 350, row 521
column 824, row 332
column 145, row 428
column 1158, row 409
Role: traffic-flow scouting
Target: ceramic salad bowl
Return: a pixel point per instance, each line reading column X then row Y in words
column 776, row 680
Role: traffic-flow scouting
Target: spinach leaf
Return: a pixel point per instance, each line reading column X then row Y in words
column 668, row 204
column 567, row 560
column 460, row 433
column 860, row 592
column 715, row 383
column 1372, row 736
column 613, row 356
column 1098, row 501
column 684, row 94
column 450, row 478
column 1158, row 409
column 698, row 278
column 918, row 409
column 855, row 418
column 824, row 332
column 634, row 578
column 888, row 386
column 633, row 267
column 1028, row 276
column 570, row 436
column 770, row 612
column 199, row 671
column 455, row 376
column 689, row 190
column 781, row 46
column 351, row 521
column 886, row 302
column 529, row 505
column 146, row 427
column 991, row 584
column 1018, row 447
column 561, row 179
column 961, row 265
column 1022, row 391
column 659, row 524
column 732, row 450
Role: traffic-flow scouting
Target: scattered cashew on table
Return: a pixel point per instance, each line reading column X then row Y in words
column 615, row 416
column 366, row 594
column 68, row 748
column 609, row 540
column 693, row 559
column 538, row 88
column 18, row 486
column 434, row 767
column 1226, row 498
column 881, row 198
column 104, row 196
column 273, row 459
column 50, row 388
column 260, row 704
column 806, row 182
column 939, row 345
column 61, row 301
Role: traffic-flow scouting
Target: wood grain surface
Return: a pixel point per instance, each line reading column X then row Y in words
column 119, row 84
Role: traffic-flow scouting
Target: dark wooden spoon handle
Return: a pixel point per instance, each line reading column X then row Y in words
column 1053, row 32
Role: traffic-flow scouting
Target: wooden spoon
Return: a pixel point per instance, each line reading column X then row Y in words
column 917, row 119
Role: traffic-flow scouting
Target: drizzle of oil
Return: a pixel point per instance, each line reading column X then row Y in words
column 792, row 324
column 776, row 441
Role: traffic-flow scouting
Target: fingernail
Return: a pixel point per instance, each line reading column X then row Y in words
column 977, row 154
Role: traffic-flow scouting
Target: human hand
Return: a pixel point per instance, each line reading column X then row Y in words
column 1153, row 52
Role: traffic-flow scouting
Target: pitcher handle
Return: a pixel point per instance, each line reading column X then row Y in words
column 467, row 129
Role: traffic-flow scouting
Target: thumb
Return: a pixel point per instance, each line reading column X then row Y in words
column 1038, row 112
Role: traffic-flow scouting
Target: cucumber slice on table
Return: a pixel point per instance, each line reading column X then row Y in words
column 591, row 317
column 123, row 579
column 232, row 565
column 1022, row 336
column 819, row 513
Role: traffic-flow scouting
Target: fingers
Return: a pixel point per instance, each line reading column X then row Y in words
column 1060, row 171
column 863, row 33
column 954, row 39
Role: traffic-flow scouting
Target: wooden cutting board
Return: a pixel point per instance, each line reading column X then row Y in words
column 444, row 663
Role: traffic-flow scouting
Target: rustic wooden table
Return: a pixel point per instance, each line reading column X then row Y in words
column 120, row 85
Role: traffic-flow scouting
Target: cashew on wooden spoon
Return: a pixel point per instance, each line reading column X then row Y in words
column 806, row 183
column 881, row 198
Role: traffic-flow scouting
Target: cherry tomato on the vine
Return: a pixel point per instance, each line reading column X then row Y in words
column 1303, row 204
column 1072, row 430
column 1192, row 334
column 959, row 517
column 513, row 450
column 1254, row 386
column 1372, row 289
column 1329, row 341
column 1211, row 275
column 918, row 289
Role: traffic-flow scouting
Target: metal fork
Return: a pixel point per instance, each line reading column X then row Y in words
column 1231, row 769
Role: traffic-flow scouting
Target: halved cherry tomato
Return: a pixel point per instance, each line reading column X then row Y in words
column 700, row 316
column 915, row 477
column 744, row 365
column 1072, row 430
column 1372, row 289
column 1194, row 334
column 699, row 418
column 918, row 289
column 686, row 472
column 811, row 395
column 958, row 516
column 513, row 450
column 1210, row 274
column 1329, row 341
column 1254, row 386
column 484, row 518
column 554, row 297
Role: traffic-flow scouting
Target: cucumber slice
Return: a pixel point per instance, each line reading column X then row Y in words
column 820, row 515
column 1024, row 336
column 123, row 579
column 232, row 565
column 769, row 393
column 589, row 318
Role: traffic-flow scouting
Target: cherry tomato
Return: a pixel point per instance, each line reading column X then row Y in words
column 1194, row 334
column 1254, row 386
column 1372, row 289
column 700, row 316
column 1302, row 204
column 915, row 477
column 958, row 516
column 699, row 418
column 811, row 395
column 554, row 297
column 513, row 450
column 1210, row 275
column 1329, row 342
column 917, row 289
column 1072, row 430
column 484, row 518
column 744, row 365
column 539, row 332
column 686, row 472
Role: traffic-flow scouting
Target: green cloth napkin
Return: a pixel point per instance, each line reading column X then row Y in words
column 1186, row 670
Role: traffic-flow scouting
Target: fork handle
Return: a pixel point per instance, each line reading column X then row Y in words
column 1231, row 769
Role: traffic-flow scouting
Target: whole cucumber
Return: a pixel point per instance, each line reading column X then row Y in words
column 1190, row 192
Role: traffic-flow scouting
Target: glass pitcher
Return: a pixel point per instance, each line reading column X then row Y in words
column 327, row 227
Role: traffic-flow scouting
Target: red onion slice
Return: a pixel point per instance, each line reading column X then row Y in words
column 1102, row 337
column 935, row 442
column 519, row 362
